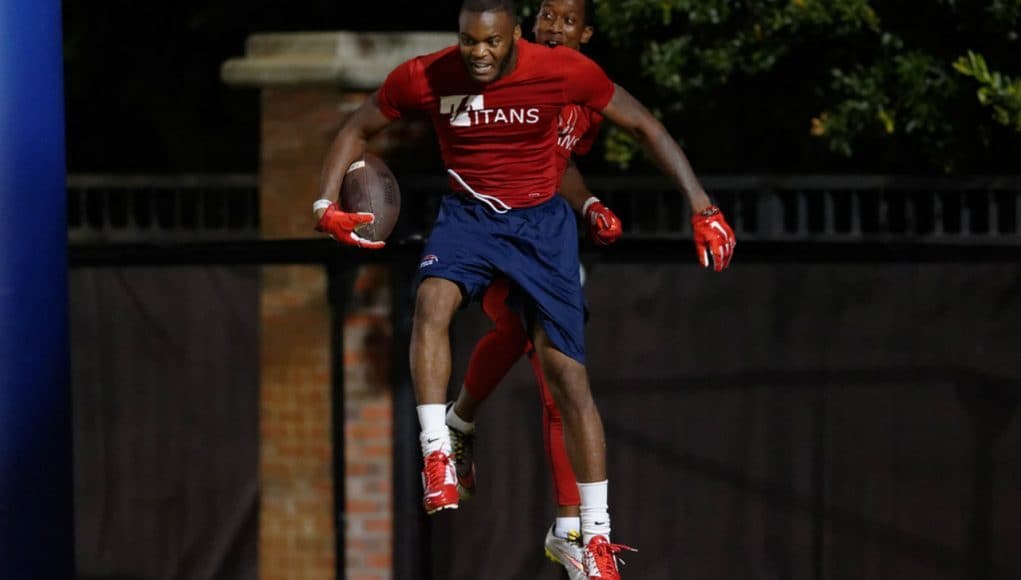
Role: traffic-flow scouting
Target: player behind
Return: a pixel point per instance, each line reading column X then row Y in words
column 494, row 100
column 558, row 23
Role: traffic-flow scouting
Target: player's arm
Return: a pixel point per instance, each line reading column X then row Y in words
column 713, row 237
column 347, row 147
column 604, row 226
column 629, row 114
column 573, row 187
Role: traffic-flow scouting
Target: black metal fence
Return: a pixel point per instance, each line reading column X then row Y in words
column 808, row 208
column 134, row 208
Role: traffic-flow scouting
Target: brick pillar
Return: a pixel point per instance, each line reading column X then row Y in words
column 309, row 83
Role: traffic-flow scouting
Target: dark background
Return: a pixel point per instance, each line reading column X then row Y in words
column 863, row 424
column 144, row 92
column 143, row 78
column 782, row 421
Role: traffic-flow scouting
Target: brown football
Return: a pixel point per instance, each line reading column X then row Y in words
column 370, row 186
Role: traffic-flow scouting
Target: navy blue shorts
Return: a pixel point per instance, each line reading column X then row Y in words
column 536, row 247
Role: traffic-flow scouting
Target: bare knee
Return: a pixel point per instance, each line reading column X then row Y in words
column 435, row 304
column 567, row 378
column 569, row 381
column 552, row 410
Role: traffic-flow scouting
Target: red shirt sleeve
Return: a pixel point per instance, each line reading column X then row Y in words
column 403, row 90
column 589, row 138
column 585, row 82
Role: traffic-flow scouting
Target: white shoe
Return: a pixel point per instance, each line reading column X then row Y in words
column 568, row 553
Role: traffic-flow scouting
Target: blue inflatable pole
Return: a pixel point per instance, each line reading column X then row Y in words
column 36, row 508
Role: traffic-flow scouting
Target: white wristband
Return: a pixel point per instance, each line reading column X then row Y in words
column 321, row 204
column 588, row 204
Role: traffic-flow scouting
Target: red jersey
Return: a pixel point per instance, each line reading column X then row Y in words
column 497, row 140
column 577, row 129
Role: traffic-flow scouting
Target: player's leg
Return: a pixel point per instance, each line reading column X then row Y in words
column 542, row 260
column 563, row 540
column 558, row 334
column 447, row 275
column 586, row 446
column 541, row 257
column 583, row 427
column 565, row 483
column 435, row 304
column 493, row 356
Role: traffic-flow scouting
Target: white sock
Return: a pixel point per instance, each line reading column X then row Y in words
column 434, row 436
column 595, row 519
column 456, row 422
column 565, row 526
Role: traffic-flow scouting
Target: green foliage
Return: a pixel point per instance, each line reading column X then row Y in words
column 1000, row 92
column 620, row 147
column 905, row 93
column 1005, row 11
column 866, row 79
column 721, row 37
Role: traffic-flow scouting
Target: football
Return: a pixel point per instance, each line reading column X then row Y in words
column 370, row 186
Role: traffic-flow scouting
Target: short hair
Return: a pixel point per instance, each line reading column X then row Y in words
column 590, row 11
column 490, row 6
column 589, row 7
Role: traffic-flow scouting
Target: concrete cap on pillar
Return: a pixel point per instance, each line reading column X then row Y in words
column 353, row 60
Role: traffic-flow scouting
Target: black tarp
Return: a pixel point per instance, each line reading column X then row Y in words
column 775, row 421
column 166, row 396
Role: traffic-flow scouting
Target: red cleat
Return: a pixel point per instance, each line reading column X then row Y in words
column 601, row 558
column 439, row 479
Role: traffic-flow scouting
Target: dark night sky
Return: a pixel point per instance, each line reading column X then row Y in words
column 144, row 93
column 142, row 78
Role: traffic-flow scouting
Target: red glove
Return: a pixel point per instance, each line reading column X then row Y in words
column 603, row 225
column 713, row 237
column 341, row 227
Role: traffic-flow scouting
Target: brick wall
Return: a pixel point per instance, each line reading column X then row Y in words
column 302, row 77
column 297, row 537
column 368, row 432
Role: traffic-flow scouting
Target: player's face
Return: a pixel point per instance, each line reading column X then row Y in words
column 487, row 42
column 562, row 22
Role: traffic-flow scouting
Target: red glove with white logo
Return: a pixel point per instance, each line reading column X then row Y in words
column 603, row 225
column 341, row 226
column 713, row 237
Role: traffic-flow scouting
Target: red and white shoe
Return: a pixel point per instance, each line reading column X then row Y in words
column 439, row 479
column 601, row 558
